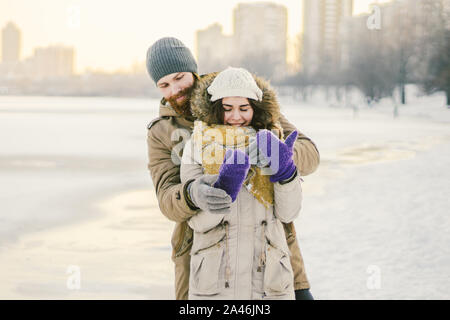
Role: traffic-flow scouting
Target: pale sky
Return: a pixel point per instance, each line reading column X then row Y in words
column 112, row 34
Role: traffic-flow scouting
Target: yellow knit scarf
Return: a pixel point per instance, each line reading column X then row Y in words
column 211, row 143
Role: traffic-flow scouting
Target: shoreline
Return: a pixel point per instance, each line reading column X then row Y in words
column 114, row 252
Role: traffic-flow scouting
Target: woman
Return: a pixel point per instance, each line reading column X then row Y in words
column 243, row 254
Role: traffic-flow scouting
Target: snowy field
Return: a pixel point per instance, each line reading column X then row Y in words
column 375, row 221
column 79, row 219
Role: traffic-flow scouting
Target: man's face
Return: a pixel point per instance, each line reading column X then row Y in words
column 175, row 87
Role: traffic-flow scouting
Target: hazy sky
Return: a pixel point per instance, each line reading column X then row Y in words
column 110, row 34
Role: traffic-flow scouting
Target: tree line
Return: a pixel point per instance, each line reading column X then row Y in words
column 412, row 46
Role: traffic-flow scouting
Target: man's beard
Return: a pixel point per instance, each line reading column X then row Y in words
column 182, row 108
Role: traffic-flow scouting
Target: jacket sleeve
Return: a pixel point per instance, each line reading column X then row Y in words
column 306, row 155
column 165, row 175
column 288, row 200
column 192, row 169
column 205, row 221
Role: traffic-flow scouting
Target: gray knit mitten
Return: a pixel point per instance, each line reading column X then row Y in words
column 208, row 198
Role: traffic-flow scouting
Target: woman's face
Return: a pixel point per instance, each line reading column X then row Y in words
column 237, row 111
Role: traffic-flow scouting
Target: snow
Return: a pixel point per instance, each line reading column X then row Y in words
column 374, row 222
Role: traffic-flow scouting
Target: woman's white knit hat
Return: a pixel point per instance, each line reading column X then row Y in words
column 234, row 82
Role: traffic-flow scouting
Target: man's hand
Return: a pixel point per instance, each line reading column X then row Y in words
column 208, row 198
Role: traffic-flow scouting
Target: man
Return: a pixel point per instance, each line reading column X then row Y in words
column 174, row 70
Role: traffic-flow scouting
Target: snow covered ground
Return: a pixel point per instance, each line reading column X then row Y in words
column 374, row 223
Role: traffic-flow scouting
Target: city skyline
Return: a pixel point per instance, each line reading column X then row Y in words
column 103, row 43
column 321, row 47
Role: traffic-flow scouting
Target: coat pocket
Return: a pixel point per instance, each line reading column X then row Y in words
column 205, row 269
column 278, row 274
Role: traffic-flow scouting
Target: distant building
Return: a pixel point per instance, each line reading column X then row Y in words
column 260, row 33
column 11, row 43
column 53, row 61
column 215, row 51
column 322, row 23
column 294, row 54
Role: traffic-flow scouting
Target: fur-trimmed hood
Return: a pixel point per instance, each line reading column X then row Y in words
column 201, row 104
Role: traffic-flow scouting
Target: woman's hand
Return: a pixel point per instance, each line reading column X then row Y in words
column 233, row 172
column 278, row 154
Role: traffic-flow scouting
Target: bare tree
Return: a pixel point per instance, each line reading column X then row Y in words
column 438, row 76
column 436, row 52
column 370, row 65
column 400, row 34
column 300, row 82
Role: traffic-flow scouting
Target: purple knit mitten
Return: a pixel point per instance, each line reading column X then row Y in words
column 233, row 172
column 281, row 162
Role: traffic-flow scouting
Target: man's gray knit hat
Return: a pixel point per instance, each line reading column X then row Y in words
column 169, row 55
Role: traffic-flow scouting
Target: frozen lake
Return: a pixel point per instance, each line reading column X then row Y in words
column 75, row 191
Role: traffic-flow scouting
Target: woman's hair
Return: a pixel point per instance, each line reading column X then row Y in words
column 196, row 76
column 262, row 118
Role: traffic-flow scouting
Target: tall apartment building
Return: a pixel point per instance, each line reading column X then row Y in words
column 322, row 29
column 214, row 50
column 260, row 31
column 53, row 61
column 11, row 43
